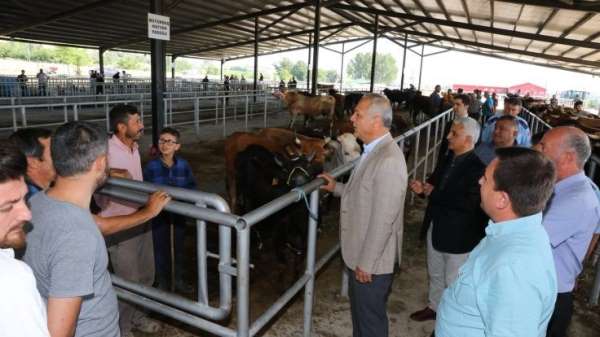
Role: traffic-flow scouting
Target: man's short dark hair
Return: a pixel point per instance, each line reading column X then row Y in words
column 527, row 176
column 464, row 98
column 28, row 141
column 120, row 114
column 511, row 118
column 75, row 146
column 578, row 102
column 513, row 100
column 171, row 131
column 13, row 164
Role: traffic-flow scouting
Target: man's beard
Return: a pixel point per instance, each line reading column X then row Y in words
column 15, row 239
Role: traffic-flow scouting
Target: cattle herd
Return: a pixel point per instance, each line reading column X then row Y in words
column 261, row 166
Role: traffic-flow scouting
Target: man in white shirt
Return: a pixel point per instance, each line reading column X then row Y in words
column 22, row 311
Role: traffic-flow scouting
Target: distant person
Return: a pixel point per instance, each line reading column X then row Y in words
column 553, row 102
column 281, row 85
column 261, row 78
column 460, row 91
column 487, row 108
column 42, row 83
column 172, row 170
column 116, row 81
column 436, row 99
column 99, row 83
column 579, row 112
column 495, row 100
column 22, row 81
column 22, row 311
column 205, row 83
column 475, row 106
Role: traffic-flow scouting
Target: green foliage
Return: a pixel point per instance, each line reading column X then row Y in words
column 211, row 69
column 298, row 70
column 327, row 76
column 126, row 61
column 385, row 67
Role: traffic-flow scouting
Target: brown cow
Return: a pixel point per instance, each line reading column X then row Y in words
column 309, row 106
column 273, row 139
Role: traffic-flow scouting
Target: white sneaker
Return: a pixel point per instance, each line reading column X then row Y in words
column 147, row 325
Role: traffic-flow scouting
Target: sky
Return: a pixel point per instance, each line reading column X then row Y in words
column 449, row 68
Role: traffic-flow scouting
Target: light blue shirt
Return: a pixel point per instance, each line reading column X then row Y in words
column 523, row 132
column 506, row 288
column 570, row 218
column 368, row 148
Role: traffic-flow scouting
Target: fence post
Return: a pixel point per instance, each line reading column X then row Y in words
column 217, row 110
column 224, row 116
column 23, row 117
column 265, row 114
column 166, row 114
column 75, row 112
column 142, row 108
column 246, row 115
column 243, row 282
column 197, row 115
column 14, row 118
column 310, row 263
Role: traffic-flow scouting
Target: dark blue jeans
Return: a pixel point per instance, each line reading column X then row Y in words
column 161, row 234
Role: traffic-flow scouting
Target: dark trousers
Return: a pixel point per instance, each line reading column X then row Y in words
column 561, row 317
column 161, row 234
column 368, row 305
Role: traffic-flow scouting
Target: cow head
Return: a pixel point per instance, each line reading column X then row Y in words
column 342, row 150
column 296, row 169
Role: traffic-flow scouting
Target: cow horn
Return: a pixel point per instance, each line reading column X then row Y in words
column 311, row 156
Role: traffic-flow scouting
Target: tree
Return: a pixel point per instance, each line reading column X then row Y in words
column 298, row 70
column 385, row 67
column 327, row 76
column 75, row 56
column 283, row 69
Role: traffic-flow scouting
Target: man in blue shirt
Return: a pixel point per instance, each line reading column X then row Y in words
column 505, row 135
column 513, row 107
column 507, row 286
column 436, row 100
column 570, row 217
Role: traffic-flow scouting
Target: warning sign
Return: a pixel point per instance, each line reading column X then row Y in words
column 159, row 27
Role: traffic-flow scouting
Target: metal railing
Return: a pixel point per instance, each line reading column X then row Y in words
column 537, row 125
column 180, row 109
column 206, row 207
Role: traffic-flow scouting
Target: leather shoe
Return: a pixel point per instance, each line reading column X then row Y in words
column 423, row 315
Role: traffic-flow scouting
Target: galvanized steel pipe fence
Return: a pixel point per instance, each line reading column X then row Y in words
column 180, row 109
column 209, row 209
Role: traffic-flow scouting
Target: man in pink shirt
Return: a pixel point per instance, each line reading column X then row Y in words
column 131, row 251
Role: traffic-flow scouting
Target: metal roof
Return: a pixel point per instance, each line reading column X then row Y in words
column 556, row 33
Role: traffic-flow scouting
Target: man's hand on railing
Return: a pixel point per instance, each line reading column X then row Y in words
column 330, row 186
column 156, row 202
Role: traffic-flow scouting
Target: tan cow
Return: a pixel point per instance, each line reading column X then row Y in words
column 309, row 106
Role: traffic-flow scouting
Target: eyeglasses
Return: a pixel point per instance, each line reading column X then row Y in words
column 167, row 141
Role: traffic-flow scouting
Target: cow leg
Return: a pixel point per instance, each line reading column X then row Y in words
column 292, row 121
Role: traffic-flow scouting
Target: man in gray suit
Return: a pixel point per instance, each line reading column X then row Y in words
column 371, row 216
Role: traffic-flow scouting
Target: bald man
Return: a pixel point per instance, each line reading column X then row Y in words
column 571, row 216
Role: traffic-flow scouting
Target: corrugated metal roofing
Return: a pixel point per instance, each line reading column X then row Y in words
column 557, row 33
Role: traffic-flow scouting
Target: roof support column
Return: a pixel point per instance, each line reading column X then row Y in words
column 315, row 70
column 222, row 62
column 421, row 66
column 308, row 64
column 342, row 67
column 374, row 54
column 255, row 55
column 404, row 60
column 173, row 58
column 101, row 60
column 158, row 75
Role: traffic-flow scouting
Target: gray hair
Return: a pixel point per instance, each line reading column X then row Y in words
column 580, row 144
column 379, row 104
column 75, row 146
column 471, row 127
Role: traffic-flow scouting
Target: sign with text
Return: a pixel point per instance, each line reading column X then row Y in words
column 159, row 27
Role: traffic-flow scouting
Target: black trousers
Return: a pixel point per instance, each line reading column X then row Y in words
column 368, row 303
column 561, row 317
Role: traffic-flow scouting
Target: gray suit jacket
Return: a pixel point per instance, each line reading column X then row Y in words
column 372, row 209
